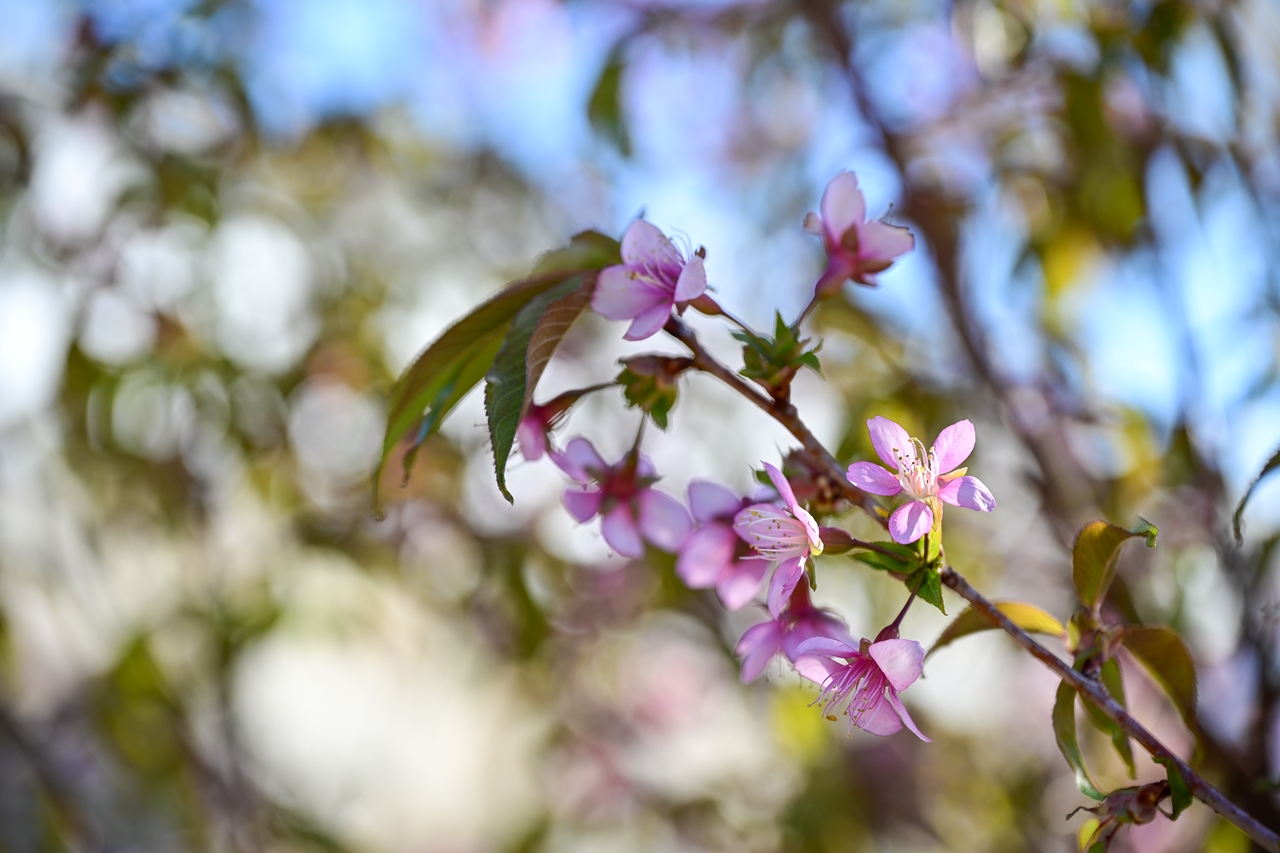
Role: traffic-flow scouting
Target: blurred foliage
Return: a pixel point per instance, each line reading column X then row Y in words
column 193, row 503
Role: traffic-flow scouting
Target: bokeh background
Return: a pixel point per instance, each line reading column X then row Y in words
column 225, row 227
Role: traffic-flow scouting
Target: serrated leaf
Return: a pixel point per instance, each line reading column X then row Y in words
column 1114, row 683
column 1179, row 791
column 1237, row 517
column 1094, row 555
column 926, row 582
column 1028, row 617
column 605, row 108
column 1064, row 729
column 1169, row 661
column 527, row 347
column 452, row 364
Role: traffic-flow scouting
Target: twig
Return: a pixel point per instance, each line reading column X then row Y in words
column 1202, row 790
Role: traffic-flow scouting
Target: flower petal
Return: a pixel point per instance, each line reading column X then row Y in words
column 583, row 505
column 740, row 582
column 785, row 578
column 899, row 660
column 810, row 529
column 870, row 477
column 579, row 460
column 910, row 521
column 953, row 446
column 842, row 205
column 817, row 668
column 620, row 531
column 532, row 438
column 663, row 520
column 968, row 492
column 706, row 554
column 759, row 644
column 891, row 442
column 692, row 281
column 880, row 241
column 710, row 501
column 827, row 647
column 784, row 488
column 905, row 717
column 816, row 623
column 647, row 324
column 645, row 245
column 621, row 293
column 812, row 224
column 878, row 718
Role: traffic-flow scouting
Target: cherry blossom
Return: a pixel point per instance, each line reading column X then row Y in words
column 789, row 535
column 928, row 478
column 714, row 555
column 632, row 512
column 856, row 249
column 653, row 277
column 863, row 682
column 785, row 633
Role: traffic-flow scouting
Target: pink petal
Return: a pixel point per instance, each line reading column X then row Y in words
column 906, row 718
column 842, row 205
column 812, row 224
column 532, row 438
column 622, row 294
column 644, row 467
column 692, row 281
column 705, row 554
column 880, row 241
column 968, row 492
column 899, row 660
column 620, row 531
column 878, row 718
column 840, row 268
column 827, row 646
column 743, row 520
column 785, row 578
column 710, row 501
column 817, row 668
column 645, row 245
column 870, row 477
column 579, row 459
column 816, row 624
column 810, row 529
column 663, row 520
column 910, row 521
column 649, row 323
column 759, row 644
column 784, row 488
column 953, row 446
column 890, row 442
column 739, row 583
column 583, row 505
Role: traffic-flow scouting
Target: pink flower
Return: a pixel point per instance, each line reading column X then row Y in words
column 866, row 683
column 785, row 633
column 535, row 428
column 856, row 249
column 925, row 477
column 789, row 535
column 632, row 512
column 714, row 555
column 652, row 277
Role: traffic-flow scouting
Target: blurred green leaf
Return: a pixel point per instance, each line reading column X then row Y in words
column 1114, row 683
column 605, row 110
column 649, row 384
column 529, row 344
column 1272, row 464
column 1093, row 557
column 907, row 561
column 1169, row 661
column 1064, row 729
column 1179, row 791
column 1028, row 617
column 448, row 368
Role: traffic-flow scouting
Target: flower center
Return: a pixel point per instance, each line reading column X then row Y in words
column 918, row 474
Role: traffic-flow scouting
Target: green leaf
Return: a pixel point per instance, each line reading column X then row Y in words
column 906, row 562
column 1236, row 517
column 1028, row 617
column 1064, row 729
column 649, row 384
column 1179, row 791
column 926, row 582
column 1093, row 557
column 447, row 369
column 1166, row 657
column 605, row 109
column 1114, row 683
column 529, row 344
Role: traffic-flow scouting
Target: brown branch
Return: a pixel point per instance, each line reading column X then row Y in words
column 1096, row 693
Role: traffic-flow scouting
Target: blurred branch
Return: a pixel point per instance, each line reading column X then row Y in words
column 1096, row 693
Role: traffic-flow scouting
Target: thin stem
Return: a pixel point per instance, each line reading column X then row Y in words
column 894, row 625
column 1097, row 694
